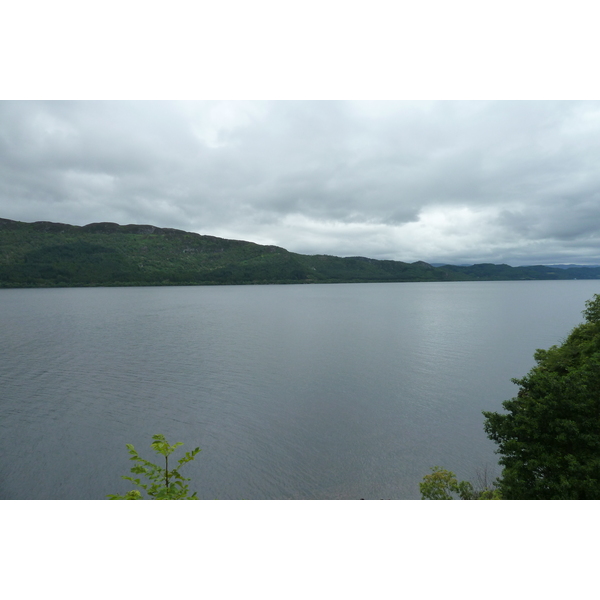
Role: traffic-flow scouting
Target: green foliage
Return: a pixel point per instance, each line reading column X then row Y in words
column 164, row 484
column 592, row 309
column 549, row 437
column 441, row 484
column 490, row 494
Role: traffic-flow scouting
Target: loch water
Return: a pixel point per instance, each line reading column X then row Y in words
column 341, row 391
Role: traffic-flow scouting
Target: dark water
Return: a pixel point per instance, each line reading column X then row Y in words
column 307, row 391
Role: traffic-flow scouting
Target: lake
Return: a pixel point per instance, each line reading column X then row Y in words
column 339, row 391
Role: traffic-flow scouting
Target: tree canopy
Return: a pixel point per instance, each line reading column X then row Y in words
column 549, row 438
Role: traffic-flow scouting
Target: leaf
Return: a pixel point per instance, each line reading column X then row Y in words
column 176, row 490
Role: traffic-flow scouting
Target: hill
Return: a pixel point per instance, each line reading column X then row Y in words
column 490, row 272
column 45, row 254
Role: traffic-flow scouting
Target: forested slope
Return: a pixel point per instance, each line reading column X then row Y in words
column 54, row 254
column 45, row 254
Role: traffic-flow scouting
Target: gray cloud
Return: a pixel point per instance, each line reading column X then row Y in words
column 452, row 181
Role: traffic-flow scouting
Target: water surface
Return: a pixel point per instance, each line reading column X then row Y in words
column 300, row 391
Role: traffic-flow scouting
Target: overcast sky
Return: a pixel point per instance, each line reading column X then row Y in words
column 448, row 181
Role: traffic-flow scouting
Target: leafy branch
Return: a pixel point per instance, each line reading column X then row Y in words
column 164, row 484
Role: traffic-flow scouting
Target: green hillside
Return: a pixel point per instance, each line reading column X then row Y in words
column 490, row 272
column 45, row 254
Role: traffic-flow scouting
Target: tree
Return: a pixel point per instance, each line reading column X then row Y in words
column 549, row 438
column 440, row 484
column 166, row 485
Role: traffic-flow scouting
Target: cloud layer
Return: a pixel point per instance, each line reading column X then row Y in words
column 461, row 182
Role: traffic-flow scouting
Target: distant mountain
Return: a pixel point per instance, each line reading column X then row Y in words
column 490, row 272
column 46, row 254
column 551, row 266
column 573, row 266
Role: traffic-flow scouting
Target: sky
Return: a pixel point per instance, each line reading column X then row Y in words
column 513, row 182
